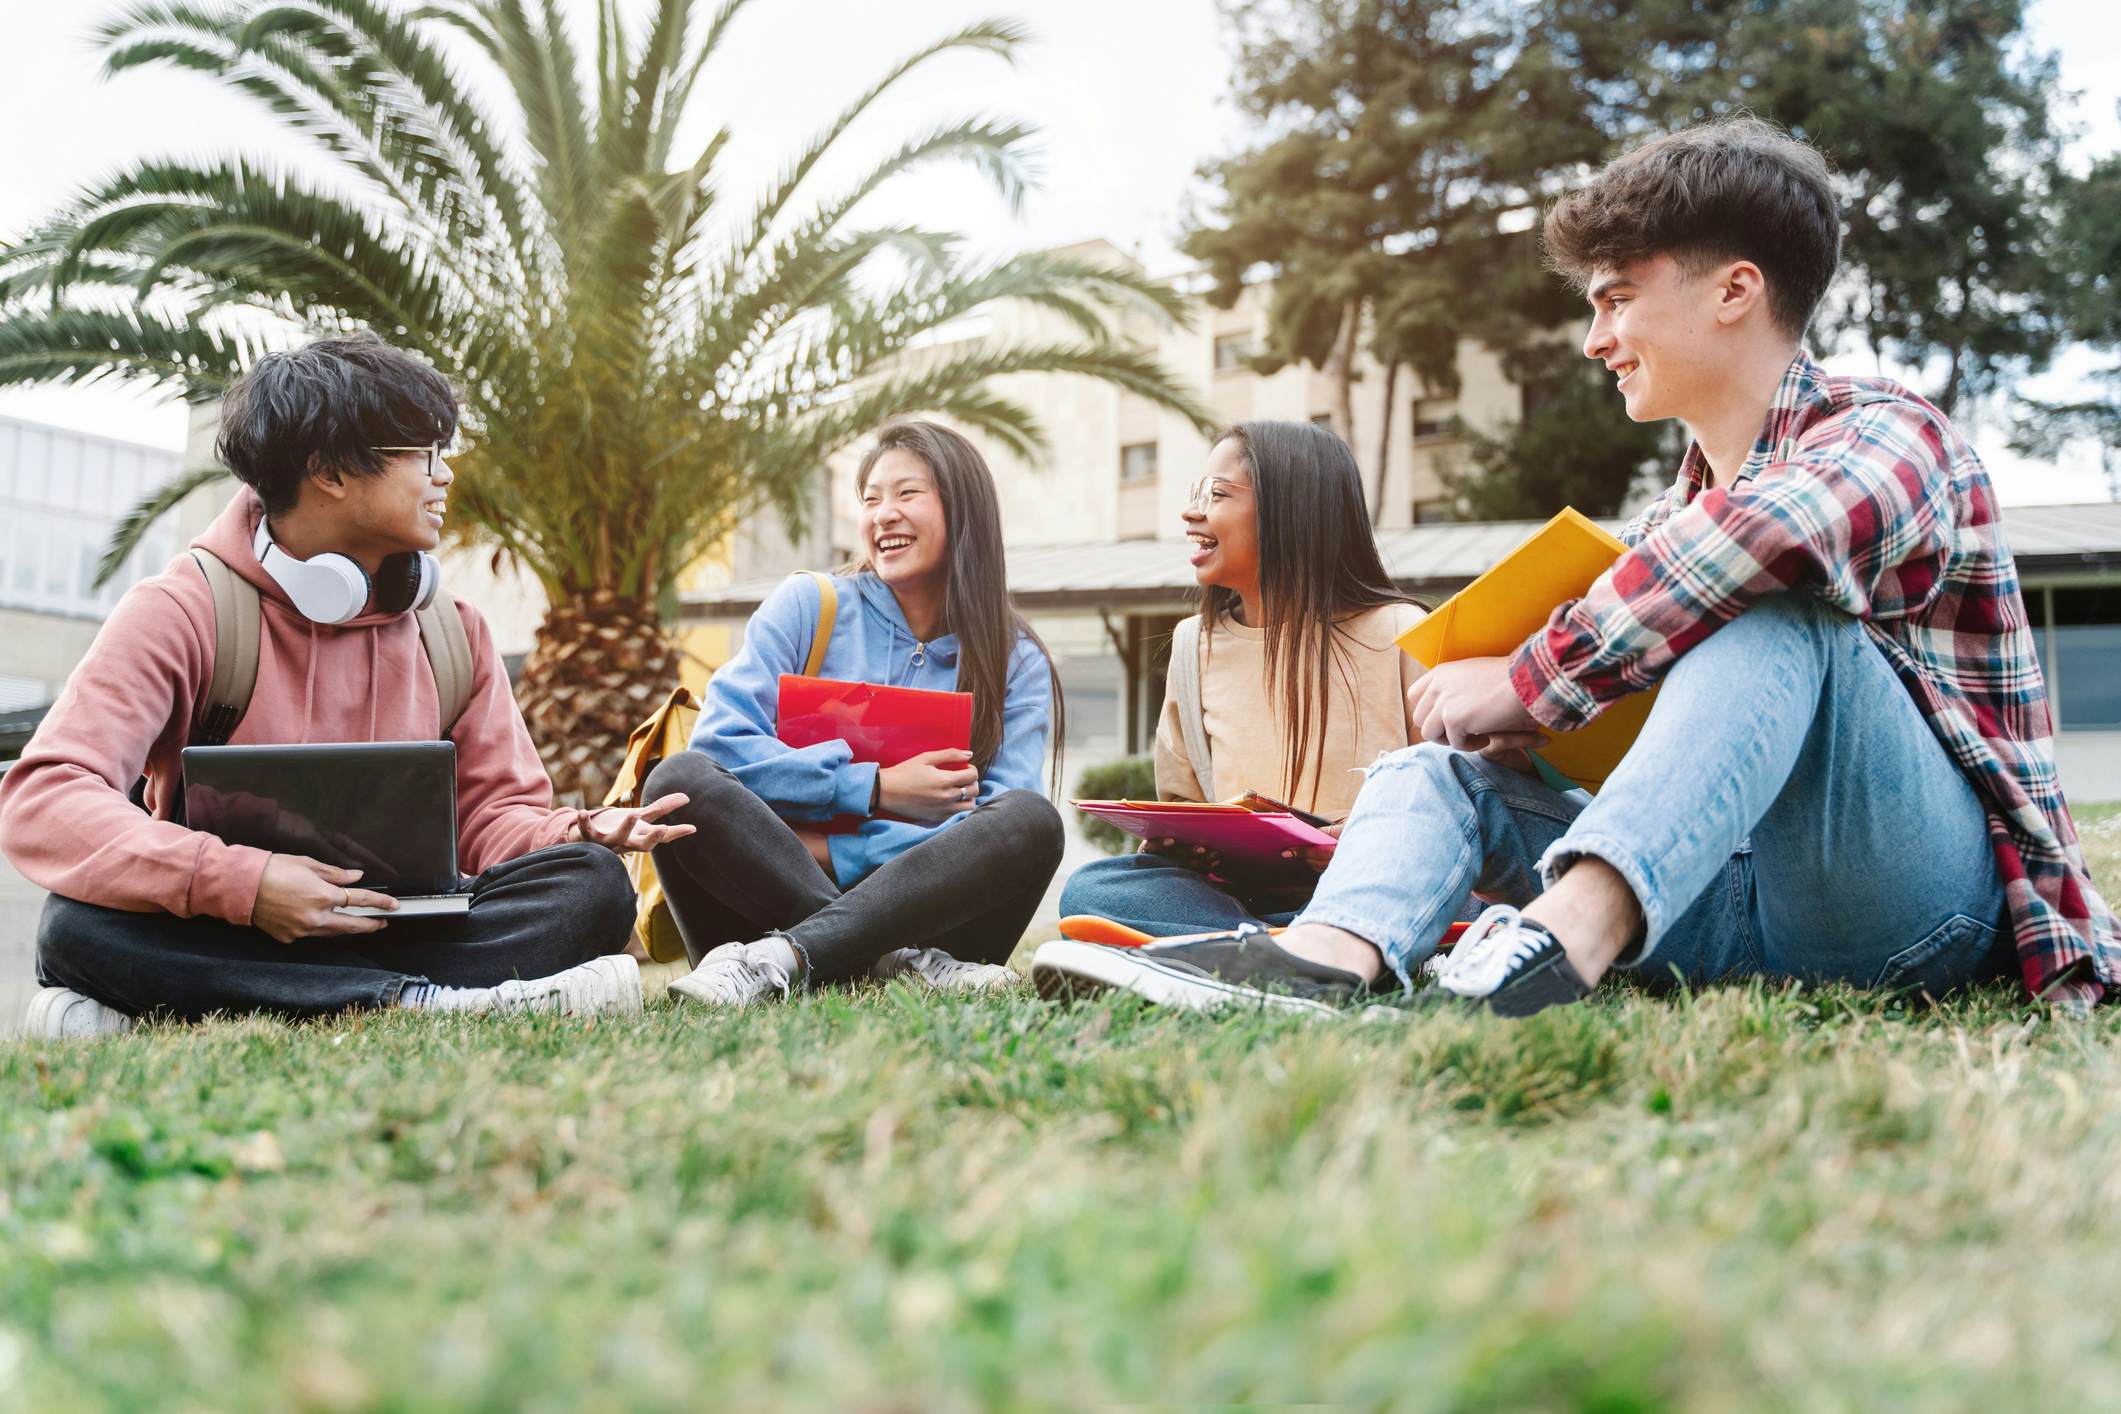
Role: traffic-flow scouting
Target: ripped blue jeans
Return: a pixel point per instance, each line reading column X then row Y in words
column 1786, row 812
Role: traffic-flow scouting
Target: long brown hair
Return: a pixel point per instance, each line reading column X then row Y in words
column 976, row 604
column 1318, row 564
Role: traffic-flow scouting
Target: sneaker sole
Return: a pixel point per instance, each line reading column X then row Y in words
column 1064, row 970
column 631, row 999
column 51, row 1002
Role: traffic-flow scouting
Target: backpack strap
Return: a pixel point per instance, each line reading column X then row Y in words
column 828, row 610
column 1185, row 685
column 235, row 674
column 449, row 655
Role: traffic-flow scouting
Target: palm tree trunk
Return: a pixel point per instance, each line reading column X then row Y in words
column 1384, row 444
column 600, row 664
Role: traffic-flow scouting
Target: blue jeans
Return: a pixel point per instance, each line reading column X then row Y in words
column 1150, row 893
column 1786, row 812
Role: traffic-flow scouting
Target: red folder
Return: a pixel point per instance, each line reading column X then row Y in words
column 886, row 725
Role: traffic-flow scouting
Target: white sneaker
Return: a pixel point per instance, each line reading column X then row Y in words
column 944, row 973
column 56, row 1013
column 605, row 984
column 733, row 975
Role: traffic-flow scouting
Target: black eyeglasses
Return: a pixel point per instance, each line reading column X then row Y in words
column 436, row 451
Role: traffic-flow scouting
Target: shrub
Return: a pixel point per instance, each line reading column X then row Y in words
column 1129, row 778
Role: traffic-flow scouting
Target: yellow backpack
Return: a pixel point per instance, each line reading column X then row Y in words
column 655, row 932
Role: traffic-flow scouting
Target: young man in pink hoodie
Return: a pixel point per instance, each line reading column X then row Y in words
column 340, row 449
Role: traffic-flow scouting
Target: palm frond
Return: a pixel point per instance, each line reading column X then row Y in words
column 998, row 37
column 361, row 81
column 549, row 98
column 243, row 221
column 76, row 346
column 689, row 75
column 132, row 527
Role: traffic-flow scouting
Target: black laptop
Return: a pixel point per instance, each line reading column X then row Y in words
column 387, row 808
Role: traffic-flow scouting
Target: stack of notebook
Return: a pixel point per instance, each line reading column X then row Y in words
column 1497, row 612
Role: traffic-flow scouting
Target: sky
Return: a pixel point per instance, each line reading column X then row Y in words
column 1131, row 96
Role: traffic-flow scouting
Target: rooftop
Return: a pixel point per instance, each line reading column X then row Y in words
column 2047, row 541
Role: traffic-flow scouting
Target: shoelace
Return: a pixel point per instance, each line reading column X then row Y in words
column 736, row 979
column 943, row 970
column 1490, row 950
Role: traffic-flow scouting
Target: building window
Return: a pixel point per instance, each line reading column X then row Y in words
column 1137, row 461
column 61, row 493
column 1433, row 512
column 1231, row 352
column 2084, row 657
column 1435, row 419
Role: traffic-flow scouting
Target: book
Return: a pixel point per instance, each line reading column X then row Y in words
column 1251, row 839
column 886, row 725
column 1514, row 599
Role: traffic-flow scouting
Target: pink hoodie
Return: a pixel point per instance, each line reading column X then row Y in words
column 66, row 823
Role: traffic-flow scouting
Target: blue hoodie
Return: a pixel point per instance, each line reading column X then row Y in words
column 870, row 643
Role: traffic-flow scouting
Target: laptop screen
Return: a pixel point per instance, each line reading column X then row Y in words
column 387, row 808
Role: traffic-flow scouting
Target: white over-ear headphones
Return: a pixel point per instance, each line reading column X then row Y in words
column 333, row 589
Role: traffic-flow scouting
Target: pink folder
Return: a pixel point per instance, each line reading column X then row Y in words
column 1249, row 838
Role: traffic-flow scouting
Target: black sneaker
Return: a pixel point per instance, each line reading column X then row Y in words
column 1511, row 966
column 1203, row 972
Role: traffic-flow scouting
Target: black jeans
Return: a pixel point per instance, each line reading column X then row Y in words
column 530, row 917
column 970, row 890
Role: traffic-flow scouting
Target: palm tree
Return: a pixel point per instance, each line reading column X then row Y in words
column 641, row 368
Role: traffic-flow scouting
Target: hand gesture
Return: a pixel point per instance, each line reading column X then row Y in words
column 1472, row 706
column 931, row 786
column 297, row 894
column 626, row 830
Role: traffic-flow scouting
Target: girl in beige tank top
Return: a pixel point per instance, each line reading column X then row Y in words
column 1298, row 684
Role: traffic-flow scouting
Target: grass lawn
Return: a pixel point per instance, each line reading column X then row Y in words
column 882, row 1201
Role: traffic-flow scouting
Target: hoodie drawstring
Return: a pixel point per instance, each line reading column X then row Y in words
column 309, row 684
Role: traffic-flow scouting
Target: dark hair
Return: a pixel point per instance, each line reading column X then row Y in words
column 1734, row 189
column 976, row 604
column 1318, row 564
column 327, row 407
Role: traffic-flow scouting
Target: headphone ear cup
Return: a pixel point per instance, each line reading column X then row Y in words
column 406, row 581
column 330, row 589
column 428, row 578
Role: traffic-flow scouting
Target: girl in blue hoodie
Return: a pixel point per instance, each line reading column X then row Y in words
column 955, row 848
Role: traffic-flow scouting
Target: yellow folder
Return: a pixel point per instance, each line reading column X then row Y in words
column 1497, row 612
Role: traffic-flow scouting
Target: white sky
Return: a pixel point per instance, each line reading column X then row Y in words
column 1129, row 95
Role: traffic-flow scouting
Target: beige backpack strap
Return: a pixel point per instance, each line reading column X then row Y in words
column 828, row 609
column 449, row 655
column 235, row 674
column 1192, row 720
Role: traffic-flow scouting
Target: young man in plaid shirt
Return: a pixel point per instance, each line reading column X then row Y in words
column 1848, row 775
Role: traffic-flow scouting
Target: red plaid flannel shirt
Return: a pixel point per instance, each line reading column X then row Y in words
column 1861, row 493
